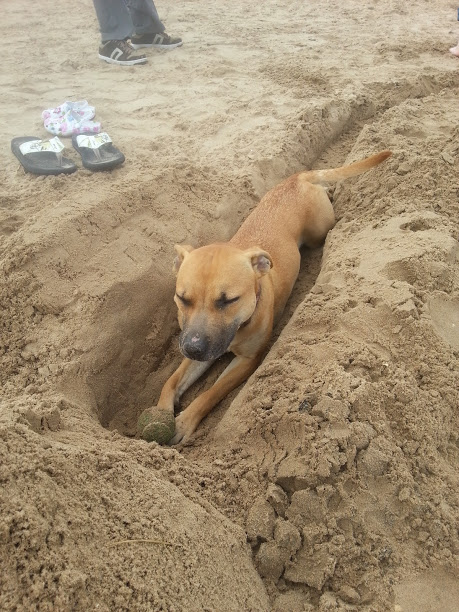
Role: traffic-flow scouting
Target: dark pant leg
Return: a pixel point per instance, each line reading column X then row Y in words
column 145, row 17
column 114, row 18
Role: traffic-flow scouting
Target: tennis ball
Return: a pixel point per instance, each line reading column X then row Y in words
column 156, row 425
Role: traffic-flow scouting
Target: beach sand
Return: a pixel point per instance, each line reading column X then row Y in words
column 329, row 481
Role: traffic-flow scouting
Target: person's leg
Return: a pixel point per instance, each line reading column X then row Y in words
column 116, row 26
column 145, row 17
column 114, row 18
column 149, row 29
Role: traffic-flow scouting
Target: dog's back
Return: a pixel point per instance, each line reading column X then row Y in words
column 294, row 213
column 298, row 208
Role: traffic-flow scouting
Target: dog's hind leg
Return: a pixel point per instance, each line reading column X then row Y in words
column 235, row 374
column 316, row 226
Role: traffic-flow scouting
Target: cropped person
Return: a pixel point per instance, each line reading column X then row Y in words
column 137, row 20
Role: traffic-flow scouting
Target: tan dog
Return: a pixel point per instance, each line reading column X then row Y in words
column 230, row 295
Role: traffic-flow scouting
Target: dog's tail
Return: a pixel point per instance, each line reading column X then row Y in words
column 337, row 174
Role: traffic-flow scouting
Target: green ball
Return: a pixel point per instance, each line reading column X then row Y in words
column 156, row 425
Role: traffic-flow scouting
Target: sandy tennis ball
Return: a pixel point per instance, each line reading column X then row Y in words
column 156, row 425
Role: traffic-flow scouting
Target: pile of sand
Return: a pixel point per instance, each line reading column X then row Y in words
column 329, row 481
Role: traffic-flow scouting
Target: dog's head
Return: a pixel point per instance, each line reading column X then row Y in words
column 216, row 292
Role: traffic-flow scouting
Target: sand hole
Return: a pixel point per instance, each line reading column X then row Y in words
column 131, row 380
column 147, row 353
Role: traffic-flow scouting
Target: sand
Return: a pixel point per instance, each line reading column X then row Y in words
column 329, row 481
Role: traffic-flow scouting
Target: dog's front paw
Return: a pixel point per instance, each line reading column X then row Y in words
column 185, row 425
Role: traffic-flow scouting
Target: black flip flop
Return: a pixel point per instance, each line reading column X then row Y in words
column 42, row 156
column 97, row 151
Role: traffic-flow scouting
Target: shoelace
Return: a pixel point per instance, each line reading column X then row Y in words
column 125, row 47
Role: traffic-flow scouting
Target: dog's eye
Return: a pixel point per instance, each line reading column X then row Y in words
column 185, row 301
column 224, row 301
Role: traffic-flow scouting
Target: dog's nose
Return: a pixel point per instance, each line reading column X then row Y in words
column 195, row 346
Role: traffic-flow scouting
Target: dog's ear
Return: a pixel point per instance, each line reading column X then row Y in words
column 261, row 261
column 182, row 251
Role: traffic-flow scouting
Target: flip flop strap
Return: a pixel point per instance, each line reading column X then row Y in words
column 35, row 146
column 93, row 142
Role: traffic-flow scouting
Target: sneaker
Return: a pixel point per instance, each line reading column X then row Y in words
column 160, row 41
column 120, row 52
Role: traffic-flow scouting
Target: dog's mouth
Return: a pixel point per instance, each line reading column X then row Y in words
column 201, row 346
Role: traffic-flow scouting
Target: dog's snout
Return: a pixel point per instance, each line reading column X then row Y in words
column 195, row 346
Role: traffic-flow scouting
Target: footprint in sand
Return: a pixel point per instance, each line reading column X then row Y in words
column 10, row 224
column 445, row 319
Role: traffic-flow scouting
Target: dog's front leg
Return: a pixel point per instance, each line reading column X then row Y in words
column 235, row 374
column 184, row 376
column 157, row 423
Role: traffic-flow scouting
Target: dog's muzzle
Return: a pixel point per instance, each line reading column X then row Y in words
column 200, row 346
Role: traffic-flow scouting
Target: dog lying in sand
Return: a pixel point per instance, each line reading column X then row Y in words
column 229, row 295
